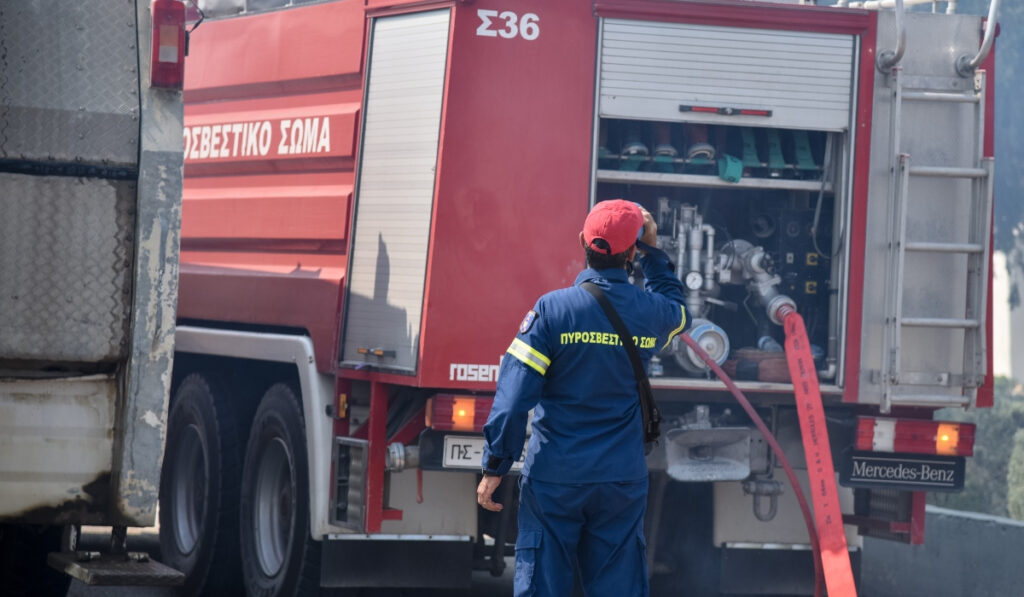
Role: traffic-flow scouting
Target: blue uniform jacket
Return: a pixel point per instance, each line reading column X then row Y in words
column 568, row 362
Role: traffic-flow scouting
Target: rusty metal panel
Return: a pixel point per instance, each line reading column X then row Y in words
column 56, row 439
column 139, row 448
column 65, row 268
column 69, row 91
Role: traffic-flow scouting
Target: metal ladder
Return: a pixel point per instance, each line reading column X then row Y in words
column 977, row 249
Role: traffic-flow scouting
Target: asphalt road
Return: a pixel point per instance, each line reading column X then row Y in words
column 483, row 584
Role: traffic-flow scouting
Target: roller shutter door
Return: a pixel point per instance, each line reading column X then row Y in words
column 395, row 189
column 649, row 69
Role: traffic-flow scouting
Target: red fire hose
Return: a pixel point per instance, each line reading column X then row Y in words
column 828, row 540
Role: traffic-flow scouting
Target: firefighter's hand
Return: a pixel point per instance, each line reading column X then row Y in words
column 485, row 490
column 650, row 236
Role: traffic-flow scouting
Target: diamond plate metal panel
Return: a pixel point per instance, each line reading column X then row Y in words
column 65, row 268
column 69, row 81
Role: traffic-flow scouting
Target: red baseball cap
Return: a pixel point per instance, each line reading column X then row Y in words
column 612, row 226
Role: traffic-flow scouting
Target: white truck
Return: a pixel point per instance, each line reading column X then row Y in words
column 90, row 190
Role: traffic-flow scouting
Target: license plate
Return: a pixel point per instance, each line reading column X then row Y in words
column 910, row 472
column 461, row 451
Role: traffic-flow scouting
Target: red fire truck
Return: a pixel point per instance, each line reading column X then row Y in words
column 377, row 191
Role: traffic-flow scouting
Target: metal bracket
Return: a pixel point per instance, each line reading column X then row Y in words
column 762, row 488
column 943, row 379
column 127, row 569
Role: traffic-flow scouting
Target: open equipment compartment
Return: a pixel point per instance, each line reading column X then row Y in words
column 739, row 145
column 749, row 216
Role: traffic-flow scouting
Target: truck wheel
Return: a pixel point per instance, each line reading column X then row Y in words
column 23, row 566
column 199, row 489
column 278, row 555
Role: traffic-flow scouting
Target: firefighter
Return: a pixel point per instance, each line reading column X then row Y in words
column 583, row 489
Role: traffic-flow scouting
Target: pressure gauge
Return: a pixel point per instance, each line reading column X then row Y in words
column 694, row 280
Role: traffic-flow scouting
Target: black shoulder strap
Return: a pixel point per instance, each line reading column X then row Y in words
column 648, row 408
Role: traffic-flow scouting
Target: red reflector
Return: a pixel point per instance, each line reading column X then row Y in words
column 914, row 436
column 447, row 412
column 865, row 434
column 167, row 66
column 725, row 110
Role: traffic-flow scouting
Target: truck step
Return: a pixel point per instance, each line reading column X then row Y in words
column 134, row 569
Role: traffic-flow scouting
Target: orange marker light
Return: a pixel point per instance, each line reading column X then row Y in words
column 947, row 440
column 462, row 413
column 447, row 412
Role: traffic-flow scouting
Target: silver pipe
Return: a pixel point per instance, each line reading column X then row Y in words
column 890, row 58
column 880, row 4
column 695, row 302
column 965, row 66
column 680, row 249
column 709, row 259
column 695, row 245
column 400, row 457
column 829, row 372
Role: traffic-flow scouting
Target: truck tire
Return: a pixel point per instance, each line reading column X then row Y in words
column 199, row 489
column 23, row 567
column 279, row 557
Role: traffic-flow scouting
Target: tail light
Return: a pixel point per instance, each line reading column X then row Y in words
column 167, row 69
column 447, row 412
column 877, row 434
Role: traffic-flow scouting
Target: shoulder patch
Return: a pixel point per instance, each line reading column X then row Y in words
column 528, row 322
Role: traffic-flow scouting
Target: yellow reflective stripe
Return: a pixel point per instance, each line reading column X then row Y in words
column 525, row 353
column 678, row 329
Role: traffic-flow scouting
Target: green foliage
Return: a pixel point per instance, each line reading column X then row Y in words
column 986, row 488
column 1015, row 478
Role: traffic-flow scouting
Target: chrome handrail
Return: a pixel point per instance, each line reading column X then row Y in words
column 890, row 58
column 965, row 65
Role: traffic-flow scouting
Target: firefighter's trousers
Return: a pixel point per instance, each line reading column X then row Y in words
column 597, row 527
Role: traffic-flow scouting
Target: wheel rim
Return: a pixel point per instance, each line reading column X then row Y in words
column 274, row 506
column 189, row 488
